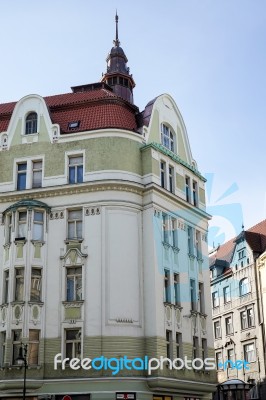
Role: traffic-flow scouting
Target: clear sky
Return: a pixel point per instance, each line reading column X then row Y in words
column 208, row 54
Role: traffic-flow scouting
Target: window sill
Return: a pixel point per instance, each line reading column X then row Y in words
column 175, row 249
column 178, row 306
column 38, row 302
column 20, row 240
column 191, row 256
column 76, row 302
column 166, row 244
column 17, row 302
column 77, row 240
column 34, row 241
column 167, row 303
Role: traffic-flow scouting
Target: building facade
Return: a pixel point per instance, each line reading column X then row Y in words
column 237, row 308
column 103, row 244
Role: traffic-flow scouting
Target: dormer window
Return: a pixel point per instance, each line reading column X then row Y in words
column 31, row 123
column 167, row 137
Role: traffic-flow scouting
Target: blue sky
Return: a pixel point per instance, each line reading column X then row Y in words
column 208, row 54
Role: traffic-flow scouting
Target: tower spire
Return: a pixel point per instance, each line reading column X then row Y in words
column 116, row 41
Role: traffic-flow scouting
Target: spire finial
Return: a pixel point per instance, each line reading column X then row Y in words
column 116, row 41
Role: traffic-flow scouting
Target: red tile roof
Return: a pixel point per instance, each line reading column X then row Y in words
column 95, row 109
column 255, row 236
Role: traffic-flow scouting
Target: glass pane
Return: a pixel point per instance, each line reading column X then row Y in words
column 33, row 353
column 78, row 288
column 72, row 175
column 37, row 179
column 72, row 334
column 69, row 350
column 33, row 335
column 80, row 174
column 75, row 214
column 22, row 230
column 22, row 216
column 79, row 229
column 37, row 232
column 37, row 165
column 22, row 167
column 70, row 288
column 38, row 216
column 76, row 160
column 21, row 184
column 71, row 230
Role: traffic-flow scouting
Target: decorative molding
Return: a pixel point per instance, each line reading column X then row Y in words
column 124, row 320
column 181, row 225
column 90, row 211
column 58, row 214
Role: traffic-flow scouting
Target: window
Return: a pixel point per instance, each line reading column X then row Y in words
column 219, row 360
column 6, row 286
column 204, row 348
column 195, row 349
column 195, row 193
column 247, row 318
column 187, row 179
column 249, row 352
column 244, row 287
column 168, row 344
column 227, row 294
column 178, row 343
column 73, row 343
column 198, row 245
column 167, row 137
column 74, row 284
column 8, row 228
column 3, row 348
column 33, row 349
column 31, row 123
column 21, row 176
column 193, row 295
column 75, row 224
column 19, row 284
column 75, row 169
column 230, row 357
column 241, row 254
column 189, row 240
column 174, row 232
column 163, row 174
column 177, row 289
column 201, row 298
column 217, row 330
column 171, row 179
column 165, row 228
column 37, row 226
column 215, row 299
column 36, row 284
column 36, row 174
column 167, row 291
column 16, row 343
column 22, row 224
column 229, row 325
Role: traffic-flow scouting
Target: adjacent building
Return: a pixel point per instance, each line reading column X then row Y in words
column 103, row 243
column 238, row 303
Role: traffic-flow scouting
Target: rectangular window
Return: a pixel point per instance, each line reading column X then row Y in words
column 36, row 174
column 36, row 284
column 74, row 284
column 187, row 179
column 178, row 342
column 73, row 343
column 177, row 290
column 21, row 176
column 230, row 357
column 33, row 347
column 229, row 325
column 247, row 318
column 75, row 224
column 250, row 317
column 217, row 330
column 37, row 226
column 193, row 295
column 189, row 240
column 195, row 193
column 22, row 224
column 219, row 360
column 16, row 343
column 6, row 286
column 215, row 299
column 198, row 245
column 171, row 179
column 204, row 348
column 169, row 344
column 165, row 228
column 201, row 298
column 75, row 169
column 163, row 175
column 174, row 232
column 195, row 347
column 167, row 288
column 3, row 348
column 249, row 352
column 19, row 284
column 227, row 294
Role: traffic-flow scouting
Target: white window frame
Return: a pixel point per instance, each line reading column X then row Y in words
column 215, row 299
column 249, row 355
column 76, row 276
column 73, row 341
column 165, row 182
column 229, row 328
column 168, row 134
column 75, row 221
column 217, row 329
column 29, row 171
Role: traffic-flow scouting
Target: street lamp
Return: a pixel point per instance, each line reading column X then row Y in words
column 22, row 361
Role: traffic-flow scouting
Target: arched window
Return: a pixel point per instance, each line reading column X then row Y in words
column 244, row 287
column 31, row 123
column 167, row 137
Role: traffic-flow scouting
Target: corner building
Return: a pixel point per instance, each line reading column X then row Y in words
column 103, row 243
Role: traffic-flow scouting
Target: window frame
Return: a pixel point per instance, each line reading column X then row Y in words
column 76, row 279
column 217, row 329
column 21, row 174
column 17, row 277
column 15, row 344
column 253, row 352
column 167, row 286
column 244, row 286
column 75, row 221
column 36, row 278
column 74, row 342
column 168, row 135
column 38, row 223
column 227, row 296
column 34, row 171
column 76, row 168
column 6, row 286
column 31, row 125
column 31, row 344
column 229, row 326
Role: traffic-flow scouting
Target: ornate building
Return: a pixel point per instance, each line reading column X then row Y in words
column 103, row 244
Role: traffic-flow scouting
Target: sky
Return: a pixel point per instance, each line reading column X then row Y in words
column 209, row 55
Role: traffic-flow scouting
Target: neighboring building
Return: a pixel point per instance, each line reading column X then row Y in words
column 104, row 249
column 237, row 307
